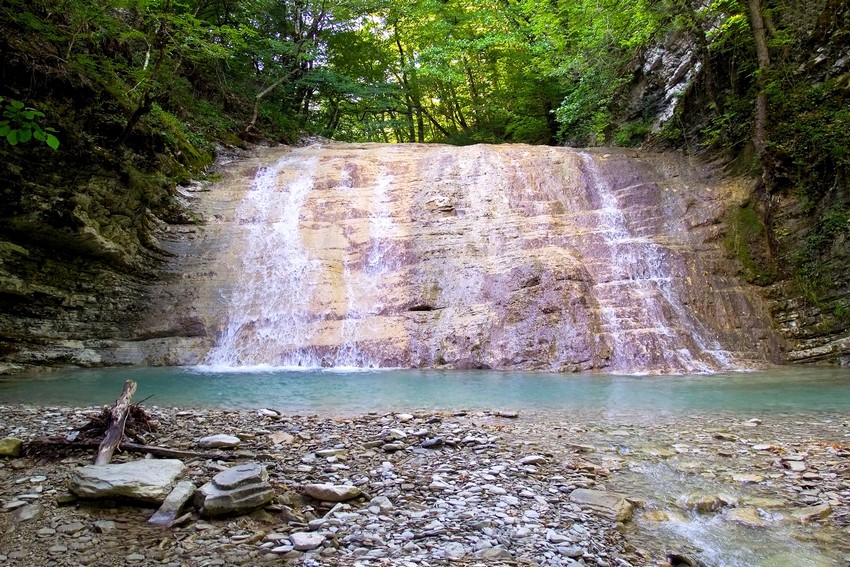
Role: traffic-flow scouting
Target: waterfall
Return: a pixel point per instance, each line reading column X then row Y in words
column 266, row 316
column 653, row 325
column 515, row 257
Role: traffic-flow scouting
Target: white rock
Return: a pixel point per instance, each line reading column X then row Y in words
column 150, row 480
column 532, row 460
column 220, row 441
column 332, row 492
column 306, row 541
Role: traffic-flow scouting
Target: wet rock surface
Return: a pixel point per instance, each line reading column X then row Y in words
column 509, row 257
column 498, row 491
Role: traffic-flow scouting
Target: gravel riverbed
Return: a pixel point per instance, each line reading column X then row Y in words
column 458, row 488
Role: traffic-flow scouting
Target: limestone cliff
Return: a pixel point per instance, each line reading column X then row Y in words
column 486, row 256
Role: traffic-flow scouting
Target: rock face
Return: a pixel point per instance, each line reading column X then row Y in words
column 507, row 257
column 238, row 489
column 512, row 257
column 149, row 480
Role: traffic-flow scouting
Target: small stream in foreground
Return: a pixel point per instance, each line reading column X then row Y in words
column 629, row 420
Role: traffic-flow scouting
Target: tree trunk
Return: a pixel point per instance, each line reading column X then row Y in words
column 116, row 425
column 763, row 55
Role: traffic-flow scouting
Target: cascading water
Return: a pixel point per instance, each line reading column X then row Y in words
column 478, row 257
column 658, row 326
column 266, row 321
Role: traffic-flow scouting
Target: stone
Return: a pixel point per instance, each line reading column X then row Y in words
column 332, row 492
column 281, row 438
column 11, row 447
column 220, row 441
column 148, row 480
column 794, row 466
column 748, row 478
column 812, row 513
column 494, row 554
column 105, row 526
column 748, row 517
column 306, row 541
column 532, row 460
column 382, row 503
column 71, row 528
column 766, row 503
column 705, row 503
column 612, row 506
column 173, row 504
column 240, row 475
column 27, row 513
column 455, row 551
column 236, row 490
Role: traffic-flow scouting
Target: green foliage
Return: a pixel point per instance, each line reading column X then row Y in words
column 746, row 240
column 20, row 125
column 632, row 134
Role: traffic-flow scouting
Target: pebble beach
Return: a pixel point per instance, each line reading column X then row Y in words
column 454, row 488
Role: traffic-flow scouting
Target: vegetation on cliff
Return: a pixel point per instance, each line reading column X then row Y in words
column 131, row 98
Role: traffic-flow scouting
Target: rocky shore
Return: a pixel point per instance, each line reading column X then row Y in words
column 457, row 488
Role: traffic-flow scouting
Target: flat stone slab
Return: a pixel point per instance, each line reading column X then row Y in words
column 332, row 492
column 747, row 516
column 149, row 480
column 609, row 505
column 241, row 475
column 813, row 513
column 220, row 441
column 237, row 490
column 173, row 504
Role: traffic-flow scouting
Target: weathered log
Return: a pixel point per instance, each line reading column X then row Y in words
column 117, row 420
column 61, row 445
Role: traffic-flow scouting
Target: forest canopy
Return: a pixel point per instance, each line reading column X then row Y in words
column 151, row 87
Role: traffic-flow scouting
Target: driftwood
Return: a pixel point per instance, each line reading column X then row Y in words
column 117, row 420
column 60, row 445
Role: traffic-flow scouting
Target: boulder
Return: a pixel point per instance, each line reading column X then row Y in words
column 237, row 490
column 173, row 504
column 10, row 447
column 332, row 492
column 149, row 480
column 610, row 505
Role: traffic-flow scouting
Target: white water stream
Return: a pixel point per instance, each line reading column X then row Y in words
column 657, row 324
column 266, row 319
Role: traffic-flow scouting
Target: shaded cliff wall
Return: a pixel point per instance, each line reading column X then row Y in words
column 793, row 237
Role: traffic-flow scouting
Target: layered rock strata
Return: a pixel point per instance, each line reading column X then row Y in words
column 509, row 257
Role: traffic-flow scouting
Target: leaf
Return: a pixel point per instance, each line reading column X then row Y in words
column 4, row 130
column 17, row 105
column 24, row 135
column 12, row 138
column 52, row 141
column 40, row 135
